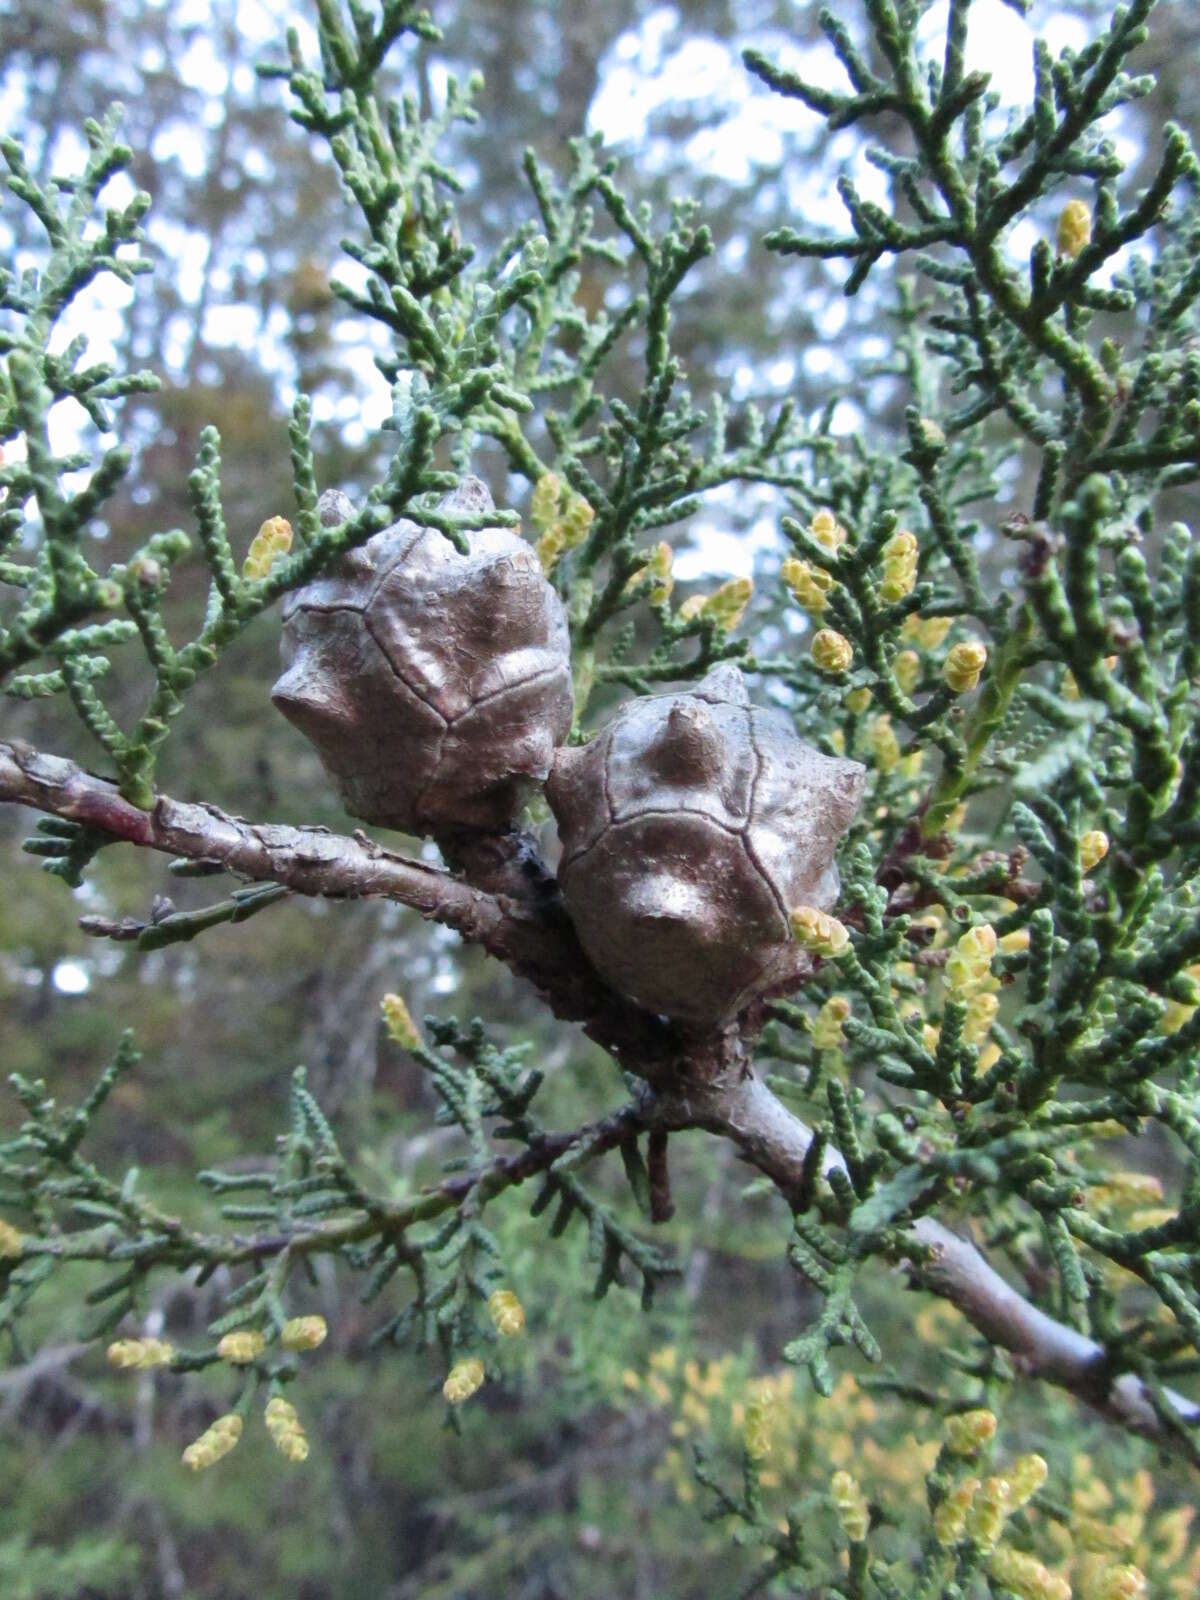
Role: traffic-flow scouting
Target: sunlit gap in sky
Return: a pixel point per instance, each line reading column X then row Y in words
column 71, row 977
column 646, row 71
column 649, row 70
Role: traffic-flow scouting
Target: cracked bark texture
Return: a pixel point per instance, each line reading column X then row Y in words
column 501, row 896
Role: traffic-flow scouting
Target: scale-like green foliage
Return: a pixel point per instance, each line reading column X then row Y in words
column 1001, row 1027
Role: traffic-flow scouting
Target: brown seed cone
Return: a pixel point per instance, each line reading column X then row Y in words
column 691, row 827
column 435, row 686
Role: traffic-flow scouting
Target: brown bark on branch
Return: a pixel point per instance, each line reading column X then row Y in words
column 309, row 860
column 948, row 1265
column 504, row 899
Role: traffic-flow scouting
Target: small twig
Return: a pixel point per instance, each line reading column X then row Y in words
column 662, row 1207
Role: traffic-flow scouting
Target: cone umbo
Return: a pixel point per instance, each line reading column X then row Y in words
column 434, row 685
column 691, row 828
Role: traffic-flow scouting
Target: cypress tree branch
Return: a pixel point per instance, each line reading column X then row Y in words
column 505, row 903
column 776, row 1141
column 173, row 1244
column 307, row 860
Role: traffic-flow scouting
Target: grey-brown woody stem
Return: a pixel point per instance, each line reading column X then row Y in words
column 503, row 899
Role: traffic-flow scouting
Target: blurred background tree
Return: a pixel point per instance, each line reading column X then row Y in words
column 574, row 1481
